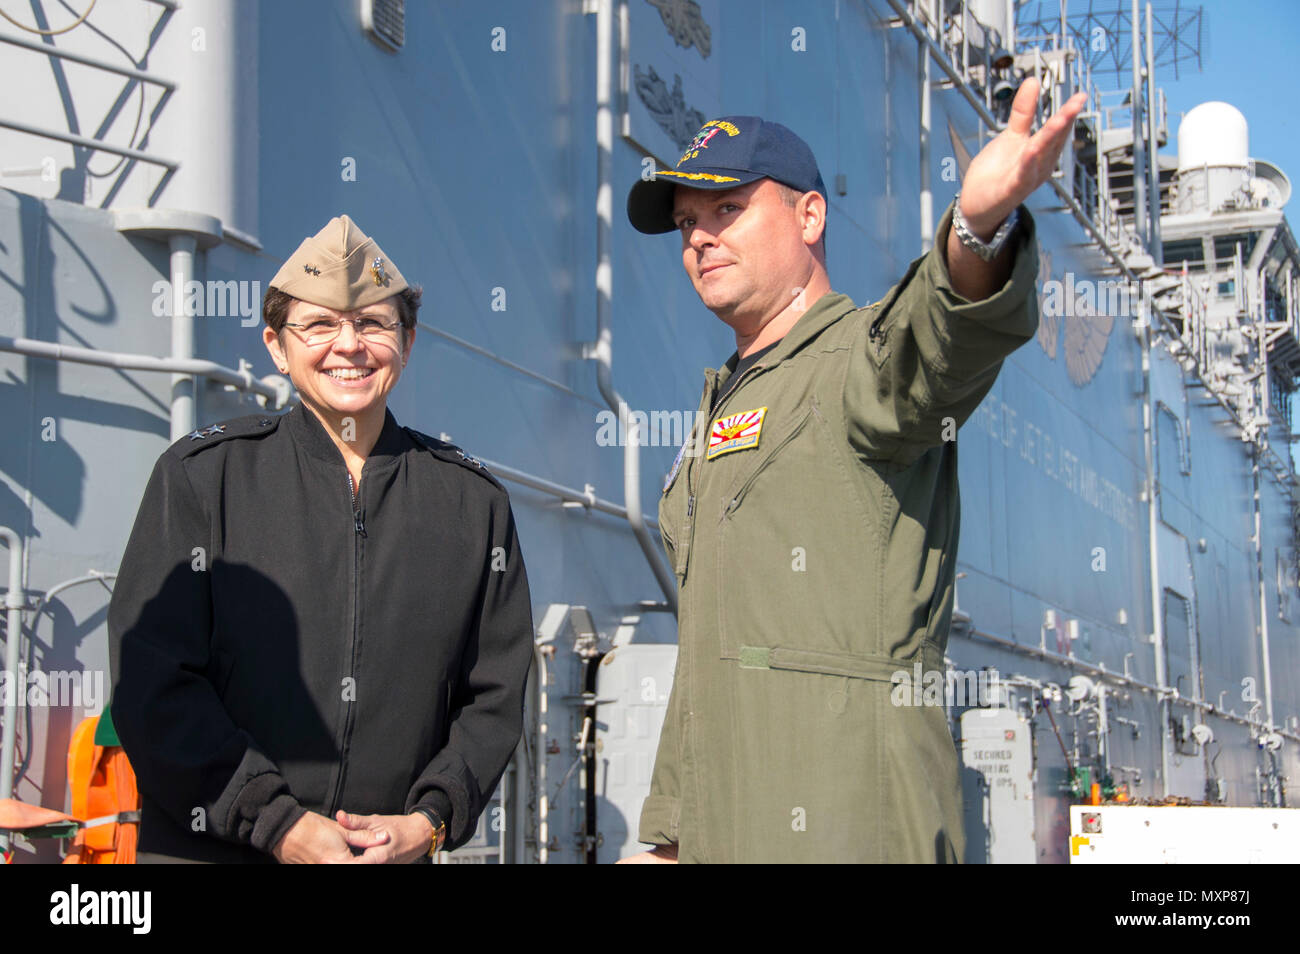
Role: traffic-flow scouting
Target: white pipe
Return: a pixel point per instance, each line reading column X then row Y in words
column 182, row 273
column 1103, row 728
column 94, row 576
column 927, row 197
column 543, row 801
column 1152, row 153
column 504, row 833
column 518, row 813
column 1263, row 591
column 1140, row 225
column 587, row 498
column 602, row 351
column 15, row 599
column 1153, row 532
column 86, row 142
column 241, row 379
column 46, row 49
column 211, row 122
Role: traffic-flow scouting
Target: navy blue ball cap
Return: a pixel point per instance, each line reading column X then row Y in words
column 725, row 153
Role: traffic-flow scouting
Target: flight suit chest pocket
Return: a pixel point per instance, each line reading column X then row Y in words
column 794, row 548
column 780, row 439
column 757, row 529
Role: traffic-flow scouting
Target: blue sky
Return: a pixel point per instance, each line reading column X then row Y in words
column 1250, row 50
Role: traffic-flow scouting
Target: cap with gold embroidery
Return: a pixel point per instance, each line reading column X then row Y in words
column 340, row 267
column 726, row 153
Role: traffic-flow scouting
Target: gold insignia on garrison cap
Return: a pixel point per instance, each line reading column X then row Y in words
column 340, row 267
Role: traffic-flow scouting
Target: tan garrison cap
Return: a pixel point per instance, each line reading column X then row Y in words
column 339, row 267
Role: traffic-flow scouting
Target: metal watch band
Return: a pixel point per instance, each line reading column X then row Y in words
column 985, row 250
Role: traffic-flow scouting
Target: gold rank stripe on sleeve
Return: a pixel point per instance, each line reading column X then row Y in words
column 736, row 432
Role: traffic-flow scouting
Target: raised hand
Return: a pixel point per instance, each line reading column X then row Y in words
column 1014, row 163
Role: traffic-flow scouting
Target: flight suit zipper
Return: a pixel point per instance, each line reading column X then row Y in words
column 874, row 334
column 688, row 532
column 740, row 494
column 358, row 533
column 683, row 557
column 717, row 406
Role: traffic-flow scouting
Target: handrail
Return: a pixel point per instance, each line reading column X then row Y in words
column 85, row 60
column 89, row 143
column 242, row 379
column 964, row 628
column 584, row 498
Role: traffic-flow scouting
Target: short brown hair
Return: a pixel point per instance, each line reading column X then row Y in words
column 790, row 197
column 276, row 304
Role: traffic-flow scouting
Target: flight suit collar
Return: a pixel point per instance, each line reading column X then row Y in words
column 310, row 434
column 825, row 311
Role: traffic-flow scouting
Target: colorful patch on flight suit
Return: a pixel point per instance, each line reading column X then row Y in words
column 735, row 432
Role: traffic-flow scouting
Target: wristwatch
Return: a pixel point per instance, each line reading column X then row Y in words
column 439, row 829
column 986, row 250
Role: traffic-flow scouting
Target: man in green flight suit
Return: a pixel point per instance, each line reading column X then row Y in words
column 812, row 517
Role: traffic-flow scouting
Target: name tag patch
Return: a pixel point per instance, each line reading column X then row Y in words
column 677, row 463
column 735, row 432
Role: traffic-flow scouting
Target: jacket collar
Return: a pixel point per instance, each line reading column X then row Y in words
column 825, row 311
column 310, row 434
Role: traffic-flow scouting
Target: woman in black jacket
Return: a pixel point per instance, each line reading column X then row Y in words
column 321, row 629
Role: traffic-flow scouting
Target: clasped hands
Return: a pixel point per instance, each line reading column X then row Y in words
column 377, row 839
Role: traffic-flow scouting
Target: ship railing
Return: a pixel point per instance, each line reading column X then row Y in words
column 1102, row 221
column 1280, row 401
column 1119, row 115
column 963, row 627
column 90, row 142
column 1109, row 111
column 1194, row 309
column 967, row 40
column 1093, row 196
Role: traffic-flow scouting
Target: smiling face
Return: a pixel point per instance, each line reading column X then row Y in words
column 353, row 374
column 746, row 251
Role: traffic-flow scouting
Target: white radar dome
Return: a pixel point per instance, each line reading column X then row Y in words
column 1213, row 134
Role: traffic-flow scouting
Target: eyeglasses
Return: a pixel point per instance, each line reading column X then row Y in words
column 323, row 330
